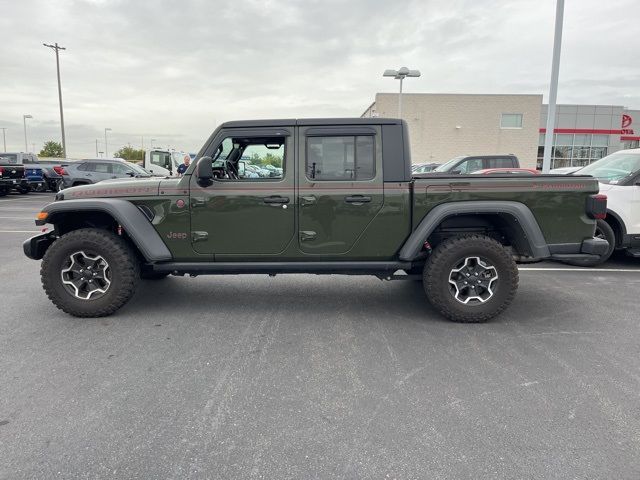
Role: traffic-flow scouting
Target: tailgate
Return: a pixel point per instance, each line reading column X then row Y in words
column 8, row 172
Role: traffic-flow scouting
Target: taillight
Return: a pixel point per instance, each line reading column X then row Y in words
column 59, row 170
column 1, row 171
column 597, row 206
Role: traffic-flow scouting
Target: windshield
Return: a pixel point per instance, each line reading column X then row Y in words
column 445, row 167
column 139, row 170
column 613, row 168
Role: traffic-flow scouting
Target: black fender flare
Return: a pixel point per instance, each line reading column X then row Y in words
column 520, row 213
column 133, row 221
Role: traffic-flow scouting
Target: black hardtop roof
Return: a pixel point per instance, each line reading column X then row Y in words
column 310, row 121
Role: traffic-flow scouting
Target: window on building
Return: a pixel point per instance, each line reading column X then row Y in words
column 511, row 120
column 577, row 150
column 340, row 158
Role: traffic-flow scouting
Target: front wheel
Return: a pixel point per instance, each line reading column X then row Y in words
column 470, row 278
column 89, row 272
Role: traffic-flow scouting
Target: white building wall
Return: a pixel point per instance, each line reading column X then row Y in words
column 443, row 126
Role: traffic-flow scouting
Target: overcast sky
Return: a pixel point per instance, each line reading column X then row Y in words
column 173, row 70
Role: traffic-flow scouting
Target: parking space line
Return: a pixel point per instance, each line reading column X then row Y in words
column 578, row 269
column 20, row 218
column 20, row 231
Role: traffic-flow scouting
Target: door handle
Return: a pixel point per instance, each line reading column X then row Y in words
column 459, row 184
column 357, row 199
column 308, row 200
column 276, row 199
column 307, row 235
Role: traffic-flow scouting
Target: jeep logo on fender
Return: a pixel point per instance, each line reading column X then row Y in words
column 176, row 236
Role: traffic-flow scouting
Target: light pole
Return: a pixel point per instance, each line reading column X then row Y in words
column 401, row 74
column 152, row 140
column 4, row 137
column 553, row 89
column 106, row 148
column 96, row 147
column 57, row 48
column 24, row 121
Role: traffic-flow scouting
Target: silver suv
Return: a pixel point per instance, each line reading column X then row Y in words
column 94, row 170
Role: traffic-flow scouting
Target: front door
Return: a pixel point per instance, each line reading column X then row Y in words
column 243, row 214
column 340, row 187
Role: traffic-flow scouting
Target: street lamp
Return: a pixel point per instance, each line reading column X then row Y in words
column 106, row 148
column 553, row 88
column 24, row 121
column 401, row 75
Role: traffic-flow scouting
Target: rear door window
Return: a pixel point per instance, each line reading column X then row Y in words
column 340, row 158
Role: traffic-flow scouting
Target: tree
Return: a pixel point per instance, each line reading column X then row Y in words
column 51, row 149
column 130, row 153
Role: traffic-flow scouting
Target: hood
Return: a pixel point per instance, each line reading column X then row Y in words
column 125, row 187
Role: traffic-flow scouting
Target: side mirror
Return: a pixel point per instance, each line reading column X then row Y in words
column 204, row 171
column 131, row 174
column 456, row 172
column 242, row 167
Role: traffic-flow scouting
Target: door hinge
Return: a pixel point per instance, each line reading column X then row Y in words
column 199, row 236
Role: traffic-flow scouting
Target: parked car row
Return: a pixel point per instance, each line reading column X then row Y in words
column 21, row 172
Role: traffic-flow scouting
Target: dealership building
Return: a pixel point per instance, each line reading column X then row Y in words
column 443, row 126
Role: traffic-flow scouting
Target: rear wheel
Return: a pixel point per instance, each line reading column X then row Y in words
column 89, row 272
column 470, row 278
column 23, row 190
column 4, row 192
column 604, row 231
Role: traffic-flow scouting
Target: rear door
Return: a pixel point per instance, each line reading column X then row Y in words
column 340, row 186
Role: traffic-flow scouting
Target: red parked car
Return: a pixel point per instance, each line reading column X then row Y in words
column 514, row 171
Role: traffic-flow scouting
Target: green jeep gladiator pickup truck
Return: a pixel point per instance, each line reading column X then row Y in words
column 342, row 201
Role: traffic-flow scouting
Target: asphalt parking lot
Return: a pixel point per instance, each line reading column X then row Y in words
column 317, row 377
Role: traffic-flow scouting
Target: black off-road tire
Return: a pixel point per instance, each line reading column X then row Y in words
column 449, row 254
column 123, row 264
column 23, row 190
column 603, row 230
column 4, row 192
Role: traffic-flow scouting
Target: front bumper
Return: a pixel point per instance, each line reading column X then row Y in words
column 36, row 246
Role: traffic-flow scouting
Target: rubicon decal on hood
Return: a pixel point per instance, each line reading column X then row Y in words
column 114, row 191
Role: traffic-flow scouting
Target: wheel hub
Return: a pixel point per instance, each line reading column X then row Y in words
column 85, row 276
column 473, row 280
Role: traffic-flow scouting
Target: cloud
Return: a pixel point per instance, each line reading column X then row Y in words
column 173, row 70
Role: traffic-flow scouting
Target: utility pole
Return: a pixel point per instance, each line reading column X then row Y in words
column 4, row 137
column 57, row 48
column 553, row 89
column 96, row 147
